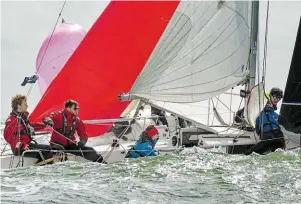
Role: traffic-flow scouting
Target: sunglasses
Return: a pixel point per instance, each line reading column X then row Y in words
column 277, row 98
column 76, row 108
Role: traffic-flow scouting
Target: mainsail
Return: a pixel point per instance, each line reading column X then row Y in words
column 202, row 54
column 290, row 113
column 108, row 61
column 55, row 52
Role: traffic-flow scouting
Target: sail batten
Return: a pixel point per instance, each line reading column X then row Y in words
column 202, row 53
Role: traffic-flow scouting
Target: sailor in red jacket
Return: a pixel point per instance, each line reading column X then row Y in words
column 65, row 124
column 19, row 130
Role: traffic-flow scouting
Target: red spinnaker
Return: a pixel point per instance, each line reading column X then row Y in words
column 108, row 61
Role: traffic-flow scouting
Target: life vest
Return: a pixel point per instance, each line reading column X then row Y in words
column 269, row 121
column 133, row 150
column 272, row 128
column 62, row 130
column 24, row 122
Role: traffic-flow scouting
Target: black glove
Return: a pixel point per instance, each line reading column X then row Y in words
column 81, row 143
column 48, row 121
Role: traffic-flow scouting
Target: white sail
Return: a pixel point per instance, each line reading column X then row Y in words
column 202, row 53
column 255, row 104
column 214, row 115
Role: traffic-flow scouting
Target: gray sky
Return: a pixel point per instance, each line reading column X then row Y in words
column 283, row 24
column 24, row 26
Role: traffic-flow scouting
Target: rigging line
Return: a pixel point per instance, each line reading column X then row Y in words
column 223, row 104
column 207, row 68
column 105, row 159
column 178, row 32
column 119, row 137
column 151, row 80
column 39, row 66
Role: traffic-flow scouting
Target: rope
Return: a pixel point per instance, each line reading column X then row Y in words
column 30, row 88
column 117, row 142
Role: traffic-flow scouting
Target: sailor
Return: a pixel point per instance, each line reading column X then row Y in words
column 145, row 145
column 267, row 126
column 19, row 130
column 65, row 124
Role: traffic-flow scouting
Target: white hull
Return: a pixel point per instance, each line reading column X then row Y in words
column 164, row 145
column 117, row 155
column 230, row 139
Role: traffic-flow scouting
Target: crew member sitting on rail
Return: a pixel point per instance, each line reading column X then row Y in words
column 65, row 124
column 19, row 130
column 267, row 126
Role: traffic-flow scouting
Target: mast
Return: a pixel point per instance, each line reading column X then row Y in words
column 252, row 57
column 254, row 45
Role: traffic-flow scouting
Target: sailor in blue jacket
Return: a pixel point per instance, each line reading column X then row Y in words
column 267, row 126
column 145, row 145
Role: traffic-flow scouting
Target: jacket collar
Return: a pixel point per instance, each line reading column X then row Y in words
column 25, row 114
column 269, row 107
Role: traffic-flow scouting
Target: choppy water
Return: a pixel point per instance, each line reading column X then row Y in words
column 194, row 176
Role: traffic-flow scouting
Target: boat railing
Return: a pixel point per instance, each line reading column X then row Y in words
column 28, row 151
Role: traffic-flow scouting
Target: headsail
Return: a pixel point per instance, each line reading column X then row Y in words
column 255, row 104
column 55, row 52
column 203, row 52
column 108, row 60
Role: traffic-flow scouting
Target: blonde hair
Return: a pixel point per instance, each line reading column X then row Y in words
column 17, row 100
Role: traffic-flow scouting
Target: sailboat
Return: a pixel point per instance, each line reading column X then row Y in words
column 94, row 75
column 195, row 60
